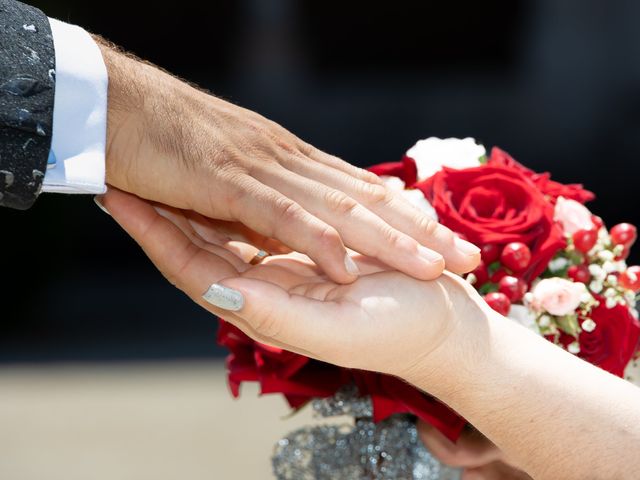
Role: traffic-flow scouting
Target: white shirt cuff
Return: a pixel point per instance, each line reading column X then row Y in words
column 77, row 157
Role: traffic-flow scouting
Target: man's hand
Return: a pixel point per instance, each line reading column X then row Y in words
column 172, row 143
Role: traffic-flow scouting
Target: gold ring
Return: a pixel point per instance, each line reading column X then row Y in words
column 259, row 257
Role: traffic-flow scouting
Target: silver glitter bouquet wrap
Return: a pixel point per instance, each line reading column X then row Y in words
column 390, row 449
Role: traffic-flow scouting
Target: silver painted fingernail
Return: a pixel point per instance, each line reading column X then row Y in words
column 429, row 255
column 98, row 201
column 465, row 247
column 224, row 297
column 351, row 266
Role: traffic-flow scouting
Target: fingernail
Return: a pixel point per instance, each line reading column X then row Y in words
column 466, row 247
column 224, row 297
column 429, row 255
column 98, row 201
column 351, row 266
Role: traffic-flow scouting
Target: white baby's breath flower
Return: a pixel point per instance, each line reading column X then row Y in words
column 574, row 348
column 434, row 153
column 610, row 293
column 618, row 249
column 612, row 280
column 528, row 297
column 630, row 297
column 585, row 297
column 606, row 255
column 544, row 321
column 611, row 302
column 558, row 264
column 588, row 325
column 595, row 286
column 524, row 316
column 472, row 279
column 595, row 270
column 609, row 266
column 635, row 313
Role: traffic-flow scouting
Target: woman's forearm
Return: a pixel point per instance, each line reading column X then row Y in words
column 552, row 413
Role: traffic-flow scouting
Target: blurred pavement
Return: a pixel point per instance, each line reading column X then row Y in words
column 135, row 422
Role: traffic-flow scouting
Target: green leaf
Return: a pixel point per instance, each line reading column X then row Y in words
column 488, row 288
column 483, row 160
column 569, row 325
column 575, row 257
column 493, row 267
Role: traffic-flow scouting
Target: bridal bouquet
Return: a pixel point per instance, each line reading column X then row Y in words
column 547, row 263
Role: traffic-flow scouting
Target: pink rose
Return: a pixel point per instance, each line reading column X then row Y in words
column 557, row 296
column 573, row 216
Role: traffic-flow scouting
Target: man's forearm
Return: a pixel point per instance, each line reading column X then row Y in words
column 546, row 409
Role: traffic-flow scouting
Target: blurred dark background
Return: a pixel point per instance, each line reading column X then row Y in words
column 556, row 83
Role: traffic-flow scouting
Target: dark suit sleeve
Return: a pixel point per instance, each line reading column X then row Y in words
column 27, row 86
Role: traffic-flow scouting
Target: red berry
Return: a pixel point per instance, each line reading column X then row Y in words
column 498, row 275
column 482, row 275
column 598, row 223
column 579, row 273
column 584, row 240
column 514, row 288
column 623, row 234
column 490, row 253
column 630, row 278
column 516, row 256
column 499, row 302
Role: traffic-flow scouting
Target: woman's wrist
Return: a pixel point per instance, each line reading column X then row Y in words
column 463, row 355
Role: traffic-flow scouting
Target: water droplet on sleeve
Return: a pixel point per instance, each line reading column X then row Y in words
column 21, row 86
column 8, row 177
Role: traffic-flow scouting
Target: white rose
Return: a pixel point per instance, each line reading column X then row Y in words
column 558, row 296
column 434, row 153
column 573, row 216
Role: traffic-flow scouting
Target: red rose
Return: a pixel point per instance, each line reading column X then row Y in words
column 543, row 181
column 299, row 379
column 496, row 204
column 614, row 341
column 278, row 371
column 405, row 170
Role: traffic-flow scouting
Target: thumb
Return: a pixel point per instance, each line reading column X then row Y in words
column 272, row 315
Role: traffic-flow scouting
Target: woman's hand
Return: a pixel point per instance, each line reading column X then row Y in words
column 172, row 143
column 378, row 322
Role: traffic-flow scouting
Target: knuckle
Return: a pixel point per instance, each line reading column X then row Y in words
column 374, row 194
column 369, row 177
column 328, row 239
column 237, row 192
column 306, row 149
column 389, row 240
column 287, row 210
column 426, row 225
column 339, row 203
